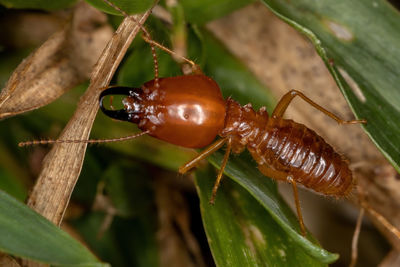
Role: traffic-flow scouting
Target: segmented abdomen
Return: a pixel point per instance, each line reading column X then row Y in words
column 294, row 149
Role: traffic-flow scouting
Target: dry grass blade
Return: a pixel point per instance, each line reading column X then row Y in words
column 62, row 62
column 63, row 164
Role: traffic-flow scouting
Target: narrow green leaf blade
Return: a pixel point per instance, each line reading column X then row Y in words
column 26, row 234
column 358, row 41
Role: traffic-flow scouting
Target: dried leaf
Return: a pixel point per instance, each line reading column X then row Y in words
column 62, row 165
column 62, row 62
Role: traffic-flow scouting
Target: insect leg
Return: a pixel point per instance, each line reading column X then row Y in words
column 279, row 175
column 297, row 201
column 221, row 171
column 288, row 97
column 204, row 154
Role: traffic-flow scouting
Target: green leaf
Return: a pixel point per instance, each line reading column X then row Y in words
column 129, row 6
column 202, row 11
column 26, row 234
column 241, row 232
column 358, row 42
column 38, row 4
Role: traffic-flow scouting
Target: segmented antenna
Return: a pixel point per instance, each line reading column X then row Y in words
column 152, row 42
column 147, row 38
column 92, row 141
column 147, row 34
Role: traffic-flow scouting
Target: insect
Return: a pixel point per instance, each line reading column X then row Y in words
column 190, row 111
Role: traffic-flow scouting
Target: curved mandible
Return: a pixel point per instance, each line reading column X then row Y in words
column 120, row 114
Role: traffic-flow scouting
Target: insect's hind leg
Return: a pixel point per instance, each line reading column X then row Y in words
column 288, row 97
column 283, row 176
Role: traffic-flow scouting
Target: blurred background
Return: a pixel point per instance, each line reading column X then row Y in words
column 132, row 189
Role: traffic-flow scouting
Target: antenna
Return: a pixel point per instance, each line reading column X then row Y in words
column 146, row 33
column 147, row 38
column 92, row 141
